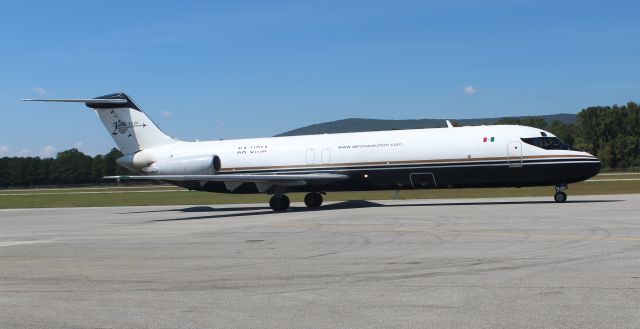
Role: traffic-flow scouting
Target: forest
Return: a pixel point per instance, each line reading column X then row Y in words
column 70, row 167
column 612, row 133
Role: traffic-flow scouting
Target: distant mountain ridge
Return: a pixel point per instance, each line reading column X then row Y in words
column 358, row 124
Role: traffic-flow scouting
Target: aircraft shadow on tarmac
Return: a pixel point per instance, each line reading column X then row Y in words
column 351, row 204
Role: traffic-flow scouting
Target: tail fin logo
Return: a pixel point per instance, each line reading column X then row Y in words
column 122, row 127
column 119, row 127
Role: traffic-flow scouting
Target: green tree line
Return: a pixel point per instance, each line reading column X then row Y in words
column 612, row 133
column 70, row 167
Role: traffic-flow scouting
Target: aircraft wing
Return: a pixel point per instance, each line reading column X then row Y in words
column 232, row 181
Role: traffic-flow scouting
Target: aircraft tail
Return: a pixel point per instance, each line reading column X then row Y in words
column 131, row 129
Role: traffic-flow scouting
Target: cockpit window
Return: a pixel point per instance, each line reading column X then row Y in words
column 548, row 143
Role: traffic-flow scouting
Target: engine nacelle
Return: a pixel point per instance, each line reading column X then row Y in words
column 191, row 165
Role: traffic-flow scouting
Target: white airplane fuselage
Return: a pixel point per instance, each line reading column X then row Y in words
column 481, row 156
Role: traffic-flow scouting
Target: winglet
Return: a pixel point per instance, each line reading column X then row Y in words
column 449, row 125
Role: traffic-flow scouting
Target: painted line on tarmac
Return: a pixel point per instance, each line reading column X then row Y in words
column 21, row 243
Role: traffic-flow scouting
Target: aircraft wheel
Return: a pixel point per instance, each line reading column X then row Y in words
column 560, row 197
column 279, row 203
column 313, row 199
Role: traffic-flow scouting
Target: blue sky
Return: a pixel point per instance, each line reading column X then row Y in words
column 233, row 69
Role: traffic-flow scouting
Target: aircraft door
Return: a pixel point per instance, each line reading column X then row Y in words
column 325, row 156
column 310, row 157
column 514, row 154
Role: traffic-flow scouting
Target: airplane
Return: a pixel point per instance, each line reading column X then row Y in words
column 451, row 157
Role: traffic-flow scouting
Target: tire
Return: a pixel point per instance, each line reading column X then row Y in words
column 560, row 197
column 313, row 200
column 279, row 203
column 285, row 202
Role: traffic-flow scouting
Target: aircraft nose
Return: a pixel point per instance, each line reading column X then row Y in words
column 594, row 166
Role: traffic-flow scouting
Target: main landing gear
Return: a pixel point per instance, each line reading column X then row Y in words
column 313, row 200
column 281, row 202
column 560, row 196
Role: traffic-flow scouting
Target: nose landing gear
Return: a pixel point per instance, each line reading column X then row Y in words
column 560, row 196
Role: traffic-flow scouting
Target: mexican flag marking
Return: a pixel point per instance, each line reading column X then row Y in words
column 491, row 139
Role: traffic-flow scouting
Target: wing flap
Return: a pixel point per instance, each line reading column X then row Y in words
column 286, row 179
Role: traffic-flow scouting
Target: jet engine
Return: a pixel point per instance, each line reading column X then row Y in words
column 191, row 165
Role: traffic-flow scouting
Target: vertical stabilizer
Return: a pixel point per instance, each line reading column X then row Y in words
column 131, row 129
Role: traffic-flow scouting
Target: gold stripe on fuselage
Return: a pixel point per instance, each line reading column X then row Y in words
column 417, row 162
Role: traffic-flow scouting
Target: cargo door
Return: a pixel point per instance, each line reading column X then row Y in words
column 423, row 180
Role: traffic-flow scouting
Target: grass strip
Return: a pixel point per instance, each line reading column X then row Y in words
column 134, row 198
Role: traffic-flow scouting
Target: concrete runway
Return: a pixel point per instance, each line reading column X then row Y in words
column 472, row 263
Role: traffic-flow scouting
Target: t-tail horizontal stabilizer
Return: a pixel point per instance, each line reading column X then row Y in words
column 131, row 129
column 96, row 101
